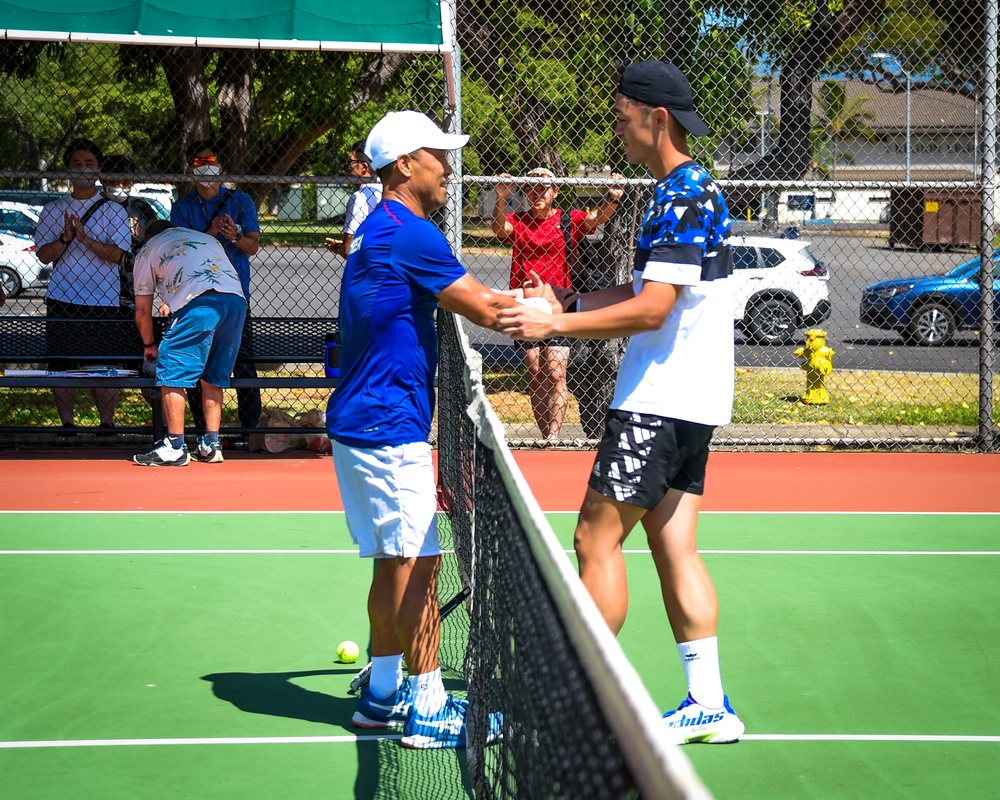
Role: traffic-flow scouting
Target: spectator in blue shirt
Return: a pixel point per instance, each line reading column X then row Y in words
column 231, row 217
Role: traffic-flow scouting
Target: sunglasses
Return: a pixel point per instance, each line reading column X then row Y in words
column 202, row 161
column 353, row 161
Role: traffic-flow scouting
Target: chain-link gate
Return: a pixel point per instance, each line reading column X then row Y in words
column 855, row 143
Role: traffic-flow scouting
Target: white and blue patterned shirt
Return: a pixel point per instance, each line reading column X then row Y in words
column 685, row 370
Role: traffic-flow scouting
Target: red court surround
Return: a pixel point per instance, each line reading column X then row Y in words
column 104, row 479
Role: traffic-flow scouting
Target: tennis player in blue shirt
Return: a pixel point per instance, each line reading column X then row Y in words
column 399, row 269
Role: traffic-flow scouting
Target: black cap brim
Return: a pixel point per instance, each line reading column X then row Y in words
column 691, row 122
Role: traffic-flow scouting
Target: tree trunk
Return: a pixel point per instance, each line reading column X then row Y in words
column 235, row 81
column 184, row 68
column 791, row 157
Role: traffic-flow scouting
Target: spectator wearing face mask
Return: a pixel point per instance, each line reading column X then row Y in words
column 231, row 217
column 85, row 238
column 140, row 215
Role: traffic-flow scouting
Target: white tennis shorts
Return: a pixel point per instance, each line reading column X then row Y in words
column 390, row 499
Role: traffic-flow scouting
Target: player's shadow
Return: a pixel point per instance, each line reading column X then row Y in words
column 274, row 693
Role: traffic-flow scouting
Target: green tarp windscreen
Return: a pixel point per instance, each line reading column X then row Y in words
column 407, row 25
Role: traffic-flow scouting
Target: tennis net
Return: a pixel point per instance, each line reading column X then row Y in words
column 577, row 720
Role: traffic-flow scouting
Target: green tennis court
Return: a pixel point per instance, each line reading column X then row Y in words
column 191, row 655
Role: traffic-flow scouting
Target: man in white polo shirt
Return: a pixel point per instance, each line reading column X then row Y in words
column 675, row 384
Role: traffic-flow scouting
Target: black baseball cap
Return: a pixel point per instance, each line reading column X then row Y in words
column 661, row 85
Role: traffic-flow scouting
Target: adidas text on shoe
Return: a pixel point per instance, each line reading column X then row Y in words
column 692, row 723
column 163, row 455
column 207, row 453
column 378, row 712
column 445, row 729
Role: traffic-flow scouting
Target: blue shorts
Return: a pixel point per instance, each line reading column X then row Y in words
column 202, row 342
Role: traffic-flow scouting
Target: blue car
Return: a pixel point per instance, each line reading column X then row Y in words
column 928, row 310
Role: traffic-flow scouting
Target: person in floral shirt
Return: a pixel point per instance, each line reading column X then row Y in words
column 195, row 278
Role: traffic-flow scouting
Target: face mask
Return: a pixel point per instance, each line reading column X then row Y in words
column 117, row 193
column 206, row 170
column 84, row 183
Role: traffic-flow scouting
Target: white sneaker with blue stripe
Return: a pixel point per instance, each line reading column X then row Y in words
column 445, row 729
column 383, row 712
column 693, row 723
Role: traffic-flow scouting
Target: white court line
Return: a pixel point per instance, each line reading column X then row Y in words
column 353, row 551
column 350, row 739
column 863, row 737
column 839, row 552
column 161, row 511
column 811, row 512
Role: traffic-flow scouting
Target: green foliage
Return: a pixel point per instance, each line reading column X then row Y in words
column 76, row 92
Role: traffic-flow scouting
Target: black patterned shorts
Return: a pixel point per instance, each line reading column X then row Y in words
column 642, row 455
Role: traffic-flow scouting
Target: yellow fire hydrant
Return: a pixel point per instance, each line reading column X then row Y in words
column 817, row 361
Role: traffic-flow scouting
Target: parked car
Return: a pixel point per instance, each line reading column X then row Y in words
column 160, row 196
column 780, row 288
column 20, row 268
column 928, row 310
column 30, row 197
column 18, row 218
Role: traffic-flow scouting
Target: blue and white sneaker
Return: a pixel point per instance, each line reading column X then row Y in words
column 445, row 729
column 388, row 712
column 693, row 723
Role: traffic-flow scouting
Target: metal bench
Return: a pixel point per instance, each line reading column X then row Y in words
column 275, row 340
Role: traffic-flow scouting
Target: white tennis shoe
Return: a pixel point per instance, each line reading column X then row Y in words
column 693, row 723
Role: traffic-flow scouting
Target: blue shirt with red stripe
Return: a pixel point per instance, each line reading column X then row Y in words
column 398, row 264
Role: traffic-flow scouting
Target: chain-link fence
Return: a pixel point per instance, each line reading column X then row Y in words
column 855, row 143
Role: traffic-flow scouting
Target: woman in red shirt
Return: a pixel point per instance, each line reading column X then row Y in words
column 539, row 244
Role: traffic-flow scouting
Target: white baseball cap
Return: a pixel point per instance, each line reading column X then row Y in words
column 402, row 132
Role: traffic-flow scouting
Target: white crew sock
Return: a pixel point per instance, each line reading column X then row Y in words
column 701, row 666
column 428, row 693
column 387, row 675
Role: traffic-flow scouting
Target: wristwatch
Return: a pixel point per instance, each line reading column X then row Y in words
column 239, row 234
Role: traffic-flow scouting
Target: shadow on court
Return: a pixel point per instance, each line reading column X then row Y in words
column 273, row 693
column 385, row 769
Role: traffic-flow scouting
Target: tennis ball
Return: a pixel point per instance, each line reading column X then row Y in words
column 348, row 652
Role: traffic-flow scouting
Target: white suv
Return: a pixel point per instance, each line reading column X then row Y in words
column 780, row 287
column 20, row 268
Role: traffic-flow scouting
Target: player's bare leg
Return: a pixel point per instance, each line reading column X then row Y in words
column 688, row 592
column 554, row 363
column 601, row 530
column 416, row 613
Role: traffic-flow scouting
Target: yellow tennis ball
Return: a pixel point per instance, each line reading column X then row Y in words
column 348, row 652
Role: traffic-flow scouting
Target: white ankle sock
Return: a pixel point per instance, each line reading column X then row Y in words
column 701, row 666
column 387, row 675
column 428, row 693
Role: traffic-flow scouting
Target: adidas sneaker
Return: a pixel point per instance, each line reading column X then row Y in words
column 693, row 723
column 379, row 712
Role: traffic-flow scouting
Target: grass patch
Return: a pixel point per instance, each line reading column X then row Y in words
column 859, row 397
column 771, row 396
column 764, row 396
column 297, row 232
